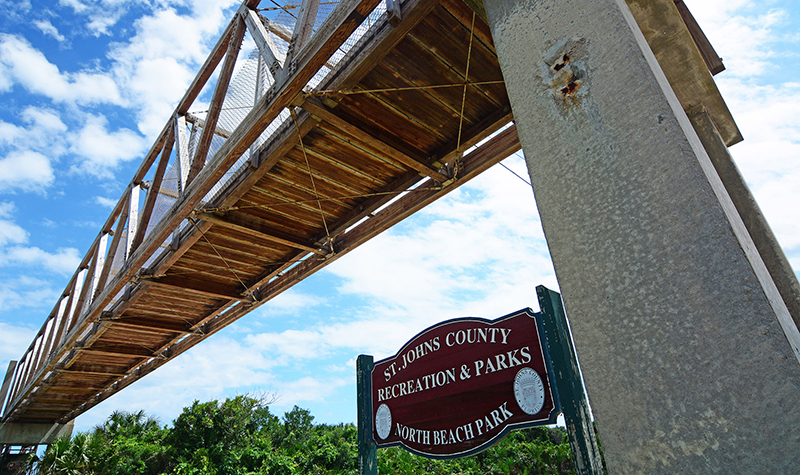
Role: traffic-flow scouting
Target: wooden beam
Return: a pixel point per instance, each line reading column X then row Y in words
column 201, row 123
column 204, row 287
column 112, row 252
column 133, row 220
column 316, row 107
column 225, row 74
column 254, row 227
column 182, row 160
column 710, row 56
column 207, row 69
column 279, row 30
column 348, row 15
column 155, row 188
column 303, row 28
column 676, row 50
column 393, row 13
column 124, row 351
column 283, row 33
column 263, row 41
column 150, row 326
column 47, row 339
column 88, row 282
column 91, row 373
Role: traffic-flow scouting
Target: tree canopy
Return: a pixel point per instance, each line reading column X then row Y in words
column 241, row 436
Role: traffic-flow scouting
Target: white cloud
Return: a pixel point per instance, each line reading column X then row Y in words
column 728, row 23
column 9, row 231
column 157, row 64
column 26, row 171
column 45, row 120
column 27, row 292
column 42, row 132
column 76, row 5
column 309, row 389
column 49, row 30
column 768, row 117
column 27, row 164
column 105, row 202
column 31, row 69
column 291, row 301
column 63, row 261
column 99, row 152
column 14, row 340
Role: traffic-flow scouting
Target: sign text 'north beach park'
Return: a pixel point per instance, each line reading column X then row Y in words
column 460, row 385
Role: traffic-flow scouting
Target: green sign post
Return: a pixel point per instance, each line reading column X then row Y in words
column 530, row 355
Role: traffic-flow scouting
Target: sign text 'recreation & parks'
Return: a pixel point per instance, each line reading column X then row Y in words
column 459, row 386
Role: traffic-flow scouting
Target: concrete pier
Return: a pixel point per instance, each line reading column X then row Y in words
column 689, row 353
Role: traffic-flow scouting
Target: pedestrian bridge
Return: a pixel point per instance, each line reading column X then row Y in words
column 344, row 120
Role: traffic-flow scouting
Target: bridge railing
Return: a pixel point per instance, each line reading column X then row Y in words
column 193, row 158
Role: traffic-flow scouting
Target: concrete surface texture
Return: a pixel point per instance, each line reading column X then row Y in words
column 690, row 356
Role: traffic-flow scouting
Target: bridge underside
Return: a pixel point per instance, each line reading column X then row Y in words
column 330, row 177
column 343, row 137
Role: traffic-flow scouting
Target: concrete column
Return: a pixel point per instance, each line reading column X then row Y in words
column 689, row 354
column 28, row 433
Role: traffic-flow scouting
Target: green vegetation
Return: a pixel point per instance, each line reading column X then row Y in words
column 241, row 436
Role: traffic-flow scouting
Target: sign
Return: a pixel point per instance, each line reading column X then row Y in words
column 459, row 386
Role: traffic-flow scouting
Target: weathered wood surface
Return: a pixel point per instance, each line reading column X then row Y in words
column 188, row 271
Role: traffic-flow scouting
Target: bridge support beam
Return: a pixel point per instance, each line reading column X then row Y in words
column 22, row 433
column 689, row 353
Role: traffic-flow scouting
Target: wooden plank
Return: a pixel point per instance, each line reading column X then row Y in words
column 303, row 28
column 92, row 373
column 347, row 16
column 199, row 159
column 88, row 281
column 194, row 261
column 183, row 162
column 246, row 224
column 203, row 287
column 256, row 245
column 207, row 69
column 153, row 191
column 710, row 56
column 280, row 30
column 263, row 41
column 37, row 347
column 133, row 220
column 393, row 12
column 315, row 106
column 60, row 309
column 12, row 366
column 198, row 122
column 112, row 252
column 17, row 385
column 150, row 327
column 118, row 350
column 92, row 276
column 47, row 339
column 688, row 74
column 463, row 14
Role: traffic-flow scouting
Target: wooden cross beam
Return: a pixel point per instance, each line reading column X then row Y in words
column 315, row 107
column 265, row 45
column 249, row 225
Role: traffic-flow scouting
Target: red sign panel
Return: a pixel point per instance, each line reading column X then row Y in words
column 459, row 386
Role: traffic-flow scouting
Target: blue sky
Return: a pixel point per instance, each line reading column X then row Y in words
column 86, row 84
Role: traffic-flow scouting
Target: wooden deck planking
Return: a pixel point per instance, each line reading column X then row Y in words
column 356, row 170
